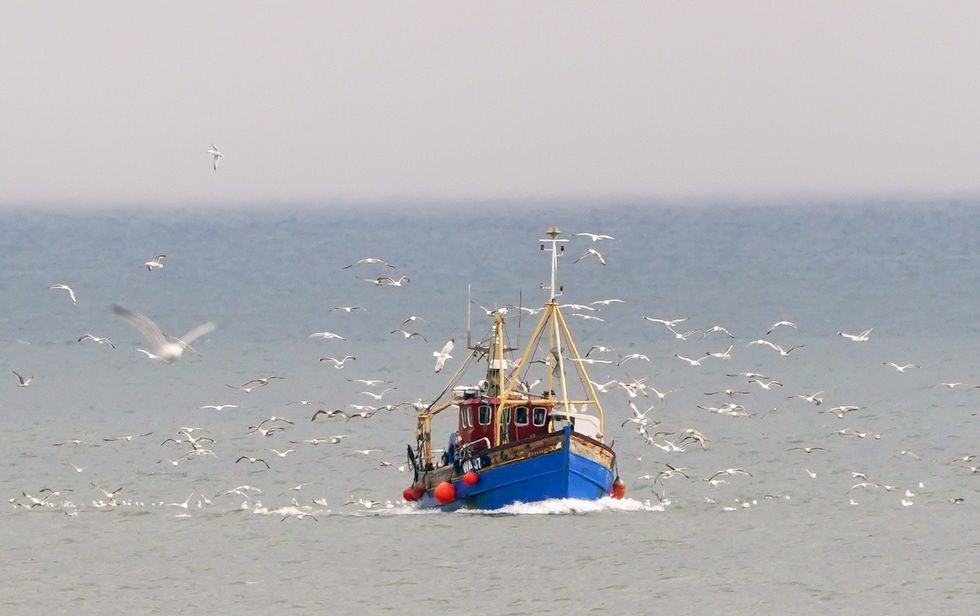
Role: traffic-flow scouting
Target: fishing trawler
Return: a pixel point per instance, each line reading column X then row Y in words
column 516, row 442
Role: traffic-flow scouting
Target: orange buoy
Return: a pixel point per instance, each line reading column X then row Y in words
column 408, row 494
column 470, row 478
column 618, row 488
column 445, row 493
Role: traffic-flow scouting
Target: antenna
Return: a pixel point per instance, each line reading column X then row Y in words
column 469, row 307
column 553, row 234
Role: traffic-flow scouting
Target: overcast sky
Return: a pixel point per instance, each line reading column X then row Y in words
column 118, row 102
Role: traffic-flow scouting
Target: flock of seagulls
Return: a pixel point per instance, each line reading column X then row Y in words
column 268, row 445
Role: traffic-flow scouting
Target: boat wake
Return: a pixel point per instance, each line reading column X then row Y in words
column 568, row 506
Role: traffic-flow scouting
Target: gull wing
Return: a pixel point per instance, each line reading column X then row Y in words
column 150, row 330
column 197, row 332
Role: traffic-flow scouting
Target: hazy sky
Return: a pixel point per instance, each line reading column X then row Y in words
column 117, row 102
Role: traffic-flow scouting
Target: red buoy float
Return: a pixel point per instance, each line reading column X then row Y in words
column 618, row 488
column 470, row 478
column 445, row 493
column 408, row 494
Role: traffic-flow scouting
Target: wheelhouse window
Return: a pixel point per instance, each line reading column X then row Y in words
column 521, row 416
column 464, row 416
column 540, row 416
column 484, row 415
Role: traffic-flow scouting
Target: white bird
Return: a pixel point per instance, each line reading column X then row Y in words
column 281, row 454
column 776, row 347
column 155, row 263
column 407, row 334
column 411, row 319
column 606, row 302
column 683, row 335
column 368, row 260
column 97, row 340
column 778, row 324
column 220, row 407
column 596, row 237
column 22, row 381
column 338, row 363
column 862, row 337
column 666, row 322
column 723, row 355
column 215, row 154
column 898, row 368
column 812, row 398
column 347, row 309
column 692, row 362
column 729, row 472
column 64, row 287
column 327, row 336
column 633, row 356
column 378, row 396
column 444, row 354
column 166, row 348
column 592, row 252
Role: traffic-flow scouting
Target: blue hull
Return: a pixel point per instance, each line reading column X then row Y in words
column 559, row 474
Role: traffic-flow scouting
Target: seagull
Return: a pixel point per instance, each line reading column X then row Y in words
column 97, row 340
column 368, row 261
column 155, row 263
column 167, row 348
column 127, row 437
column 596, row 237
column 78, row 469
column 587, row 317
column 692, row 362
column 862, row 337
column 729, row 472
column 662, row 394
column 603, row 388
column 666, row 322
column 370, row 382
column 327, row 336
column 329, row 414
column 683, row 335
column 717, row 329
column 601, row 349
column 407, row 334
column 633, row 356
column 779, row 324
column 766, row 385
column 22, row 381
column 898, row 368
column 64, row 287
column 731, row 393
column 806, row 449
column 776, row 347
column 347, row 309
column 338, row 363
column 723, row 355
column 592, row 252
column 249, row 386
column 412, row 319
column 606, row 302
column 391, row 282
column 220, row 407
column 301, row 402
column 586, row 360
column 253, row 461
column 281, row 454
column 215, row 154
column 378, row 396
column 812, row 398
column 444, row 354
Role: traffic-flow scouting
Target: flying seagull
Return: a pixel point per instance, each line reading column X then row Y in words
column 64, row 287
column 166, row 348
column 23, row 381
column 155, row 263
column 215, row 154
column 444, row 354
column 96, row 339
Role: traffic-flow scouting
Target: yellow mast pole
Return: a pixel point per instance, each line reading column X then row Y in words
column 582, row 373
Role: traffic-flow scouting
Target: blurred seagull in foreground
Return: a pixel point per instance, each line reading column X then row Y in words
column 444, row 354
column 216, row 155
column 64, row 287
column 165, row 347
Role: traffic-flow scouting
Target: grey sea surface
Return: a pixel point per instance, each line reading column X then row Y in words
column 780, row 540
